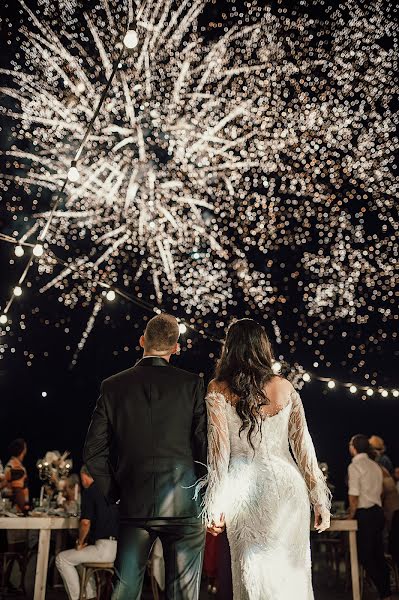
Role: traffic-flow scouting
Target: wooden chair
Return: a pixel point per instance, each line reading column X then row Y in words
column 95, row 569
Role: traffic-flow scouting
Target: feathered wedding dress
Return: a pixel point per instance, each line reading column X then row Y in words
column 265, row 496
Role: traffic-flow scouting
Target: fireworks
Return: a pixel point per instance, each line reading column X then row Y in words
column 211, row 160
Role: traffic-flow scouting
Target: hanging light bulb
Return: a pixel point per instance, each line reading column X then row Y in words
column 3, row 319
column 331, row 384
column 17, row 291
column 131, row 39
column 353, row 389
column 370, row 392
column 306, row 377
column 19, row 251
column 110, row 295
column 38, row 250
column 73, row 173
column 182, row 328
column 384, row 393
column 276, row 367
column 395, row 393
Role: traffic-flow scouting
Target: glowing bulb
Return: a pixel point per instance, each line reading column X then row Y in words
column 17, row 291
column 395, row 393
column 384, row 393
column 111, row 295
column 182, row 328
column 19, row 251
column 3, row 319
column 73, row 174
column 306, row 377
column 38, row 250
column 353, row 389
column 131, row 39
column 44, row 394
column 370, row 392
column 331, row 384
column 276, row 367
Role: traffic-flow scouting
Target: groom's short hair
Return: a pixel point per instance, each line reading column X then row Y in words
column 161, row 333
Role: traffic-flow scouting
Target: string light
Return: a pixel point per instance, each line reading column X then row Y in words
column 44, row 394
column 131, row 39
column 110, row 295
column 19, row 251
column 384, row 393
column 3, row 319
column 276, row 367
column 306, row 377
column 38, row 250
column 73, row 173
column 331, row 384
column 353, row 389
column 395, row 393
column 182, row 328
column 17, row 291
column 369, row 392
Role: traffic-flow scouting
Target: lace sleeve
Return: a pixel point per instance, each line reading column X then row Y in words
column 305, row 456
column 213, row 503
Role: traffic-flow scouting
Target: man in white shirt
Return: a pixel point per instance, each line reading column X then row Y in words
column 365, row 490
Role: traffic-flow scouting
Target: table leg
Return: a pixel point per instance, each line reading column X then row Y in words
column 42, row 564
column 354, row 565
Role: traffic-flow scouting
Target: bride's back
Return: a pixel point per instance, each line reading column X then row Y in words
column 277, row 392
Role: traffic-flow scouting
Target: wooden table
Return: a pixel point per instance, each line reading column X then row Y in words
column 45, row 525
column 349, row 525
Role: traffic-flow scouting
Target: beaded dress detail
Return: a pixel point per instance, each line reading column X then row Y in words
column 265, row 496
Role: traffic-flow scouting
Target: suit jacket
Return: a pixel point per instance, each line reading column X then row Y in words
column 153, row 416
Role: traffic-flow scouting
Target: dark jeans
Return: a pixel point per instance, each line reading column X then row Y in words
column 183, row 543
column 371, row 547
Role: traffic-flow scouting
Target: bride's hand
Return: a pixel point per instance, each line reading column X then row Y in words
column 217, row 528
column 321, row 519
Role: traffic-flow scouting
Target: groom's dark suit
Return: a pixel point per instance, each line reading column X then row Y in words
column 152, row 417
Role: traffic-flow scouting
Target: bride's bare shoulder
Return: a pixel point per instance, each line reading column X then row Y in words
column 281, row 384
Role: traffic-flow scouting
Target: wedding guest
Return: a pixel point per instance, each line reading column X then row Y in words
column 365, row 479
column 96, row 541
column 396, row 477
column 16, row 475
column 390, row 498
column 378, row 445
column 71, row 493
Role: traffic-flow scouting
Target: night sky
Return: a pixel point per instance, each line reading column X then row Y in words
column 37, row 358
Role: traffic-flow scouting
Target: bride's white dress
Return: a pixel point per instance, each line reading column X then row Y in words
column 265, row 496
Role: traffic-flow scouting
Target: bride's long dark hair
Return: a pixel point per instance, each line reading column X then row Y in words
column 245, row 366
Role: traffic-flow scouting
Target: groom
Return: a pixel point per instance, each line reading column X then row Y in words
column 152, row 417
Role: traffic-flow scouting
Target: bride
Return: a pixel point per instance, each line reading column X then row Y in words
column 254, row 486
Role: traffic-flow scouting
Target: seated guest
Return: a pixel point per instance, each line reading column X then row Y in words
column 96, row 541
column 365, row 480
column 71, row 493
column 383, row 459
column 16, row 476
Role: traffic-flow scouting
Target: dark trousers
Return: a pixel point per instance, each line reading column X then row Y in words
column 183, row 543
column 371, row 547
column 225, row 584
column 394, row 537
